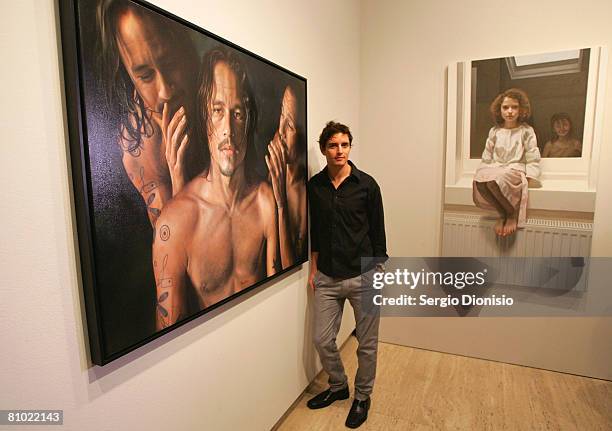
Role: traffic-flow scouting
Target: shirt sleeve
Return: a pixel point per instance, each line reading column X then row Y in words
column 487, row 154
column 314, row 220
column 376, row 219
column 532, row 154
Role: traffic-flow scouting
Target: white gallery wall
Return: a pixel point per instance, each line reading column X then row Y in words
column 405, row 48
column 378, row 66
column 236, row 370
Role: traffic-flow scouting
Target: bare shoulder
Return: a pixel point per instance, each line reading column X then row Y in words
column 265, row 198
column 181, row 214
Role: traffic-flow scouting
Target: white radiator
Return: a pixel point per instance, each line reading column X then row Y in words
column 467, row 234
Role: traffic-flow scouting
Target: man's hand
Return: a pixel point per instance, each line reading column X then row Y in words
column 176, row 139
column 276, row 161
column 311, row 279
column 314, row 257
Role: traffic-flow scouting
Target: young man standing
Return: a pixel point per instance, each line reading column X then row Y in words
column 347, row 223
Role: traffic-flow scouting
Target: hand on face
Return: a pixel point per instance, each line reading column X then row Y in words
column 286, row 126
column 162, row 73
column 176, row 140
column 276, row 160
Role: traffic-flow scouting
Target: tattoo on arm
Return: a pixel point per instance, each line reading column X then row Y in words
column 155, row 212
column 161, row 311
column 127, row 145
column 164, row 233
column 163, row 317
column 147, row 188
column 162, row 281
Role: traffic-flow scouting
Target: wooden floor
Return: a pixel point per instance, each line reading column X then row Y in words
column 424, row 390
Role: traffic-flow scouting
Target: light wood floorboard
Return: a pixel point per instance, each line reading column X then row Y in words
column 423, row 390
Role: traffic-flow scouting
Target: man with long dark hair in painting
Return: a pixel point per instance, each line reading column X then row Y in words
column 287, row 169
column 220, row 234
column 148, row 65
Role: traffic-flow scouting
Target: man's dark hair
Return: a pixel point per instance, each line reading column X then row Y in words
column 247, row 97
column 330, row 129
column 119, row 88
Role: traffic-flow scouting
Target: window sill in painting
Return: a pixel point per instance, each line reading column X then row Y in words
column 554, row 195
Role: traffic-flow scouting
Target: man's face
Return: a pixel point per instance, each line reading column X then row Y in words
column 286, row 125
column 227, row 121
column 337, row 150
column 160, row 72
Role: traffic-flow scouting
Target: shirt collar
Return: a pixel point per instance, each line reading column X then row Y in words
column 355, row 173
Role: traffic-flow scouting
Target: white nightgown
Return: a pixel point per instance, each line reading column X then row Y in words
column 509, row 158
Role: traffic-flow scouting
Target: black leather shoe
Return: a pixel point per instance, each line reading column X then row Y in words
column 327, row 397
column 358, row 413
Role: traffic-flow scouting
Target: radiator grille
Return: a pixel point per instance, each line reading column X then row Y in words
column 472, row 235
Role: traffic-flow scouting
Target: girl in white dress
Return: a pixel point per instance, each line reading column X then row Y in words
column 511, row 155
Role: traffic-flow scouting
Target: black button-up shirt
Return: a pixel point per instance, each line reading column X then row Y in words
column 346, row 223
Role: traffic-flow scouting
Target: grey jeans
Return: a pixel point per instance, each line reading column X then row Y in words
column 330, row 295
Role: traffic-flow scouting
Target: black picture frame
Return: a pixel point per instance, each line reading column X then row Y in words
column 111, row 216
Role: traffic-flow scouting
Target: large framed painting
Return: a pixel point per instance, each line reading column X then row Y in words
column 189, row 169
column 564, row 95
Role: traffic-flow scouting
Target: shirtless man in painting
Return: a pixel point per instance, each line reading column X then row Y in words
column 287, row 173
column 148, row 64
column 220, row 234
